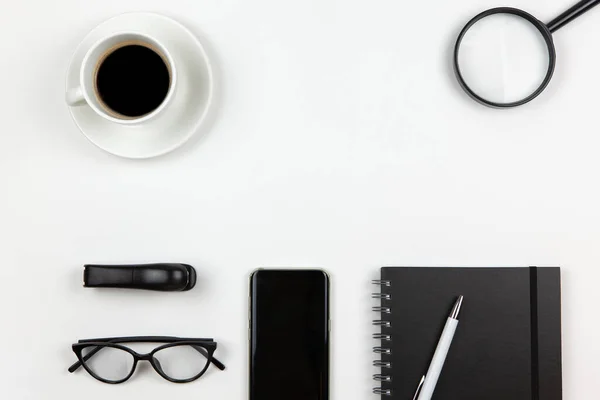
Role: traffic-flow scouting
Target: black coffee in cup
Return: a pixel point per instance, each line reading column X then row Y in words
column 132, row 79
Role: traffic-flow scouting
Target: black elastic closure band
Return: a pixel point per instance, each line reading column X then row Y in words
column 535, row 355
column 164, row 277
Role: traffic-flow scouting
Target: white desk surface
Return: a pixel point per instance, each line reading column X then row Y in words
column 341, row 140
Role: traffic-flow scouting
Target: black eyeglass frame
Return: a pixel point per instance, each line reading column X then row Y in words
column 205, row 346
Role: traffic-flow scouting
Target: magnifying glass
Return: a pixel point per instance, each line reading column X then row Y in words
column 505, row 57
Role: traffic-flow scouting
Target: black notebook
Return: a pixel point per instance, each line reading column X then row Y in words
column 508, row 340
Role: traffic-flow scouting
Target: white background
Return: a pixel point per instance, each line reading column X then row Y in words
column 340, row 140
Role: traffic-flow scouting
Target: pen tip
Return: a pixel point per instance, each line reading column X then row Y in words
column 456, row 309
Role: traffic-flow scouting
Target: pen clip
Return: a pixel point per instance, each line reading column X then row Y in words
column 419, row 387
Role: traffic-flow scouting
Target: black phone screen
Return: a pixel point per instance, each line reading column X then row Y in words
column 289, row 335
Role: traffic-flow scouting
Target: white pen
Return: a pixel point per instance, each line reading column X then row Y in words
column 428, row 382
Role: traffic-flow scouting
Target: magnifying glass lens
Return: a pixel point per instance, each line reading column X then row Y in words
column 503, row 58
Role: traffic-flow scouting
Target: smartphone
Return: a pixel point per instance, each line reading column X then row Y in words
column 289, row 335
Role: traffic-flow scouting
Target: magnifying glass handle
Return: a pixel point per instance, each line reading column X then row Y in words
column 577, row 10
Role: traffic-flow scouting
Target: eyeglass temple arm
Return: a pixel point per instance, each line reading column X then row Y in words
column 134, row 339
column 577, row 10
column 213, row 360
column 199, row 349
column 76, row 366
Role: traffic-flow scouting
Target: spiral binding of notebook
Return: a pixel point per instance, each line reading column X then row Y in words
column 384, row 337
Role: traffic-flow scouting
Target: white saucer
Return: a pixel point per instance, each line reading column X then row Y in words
column 190, row 104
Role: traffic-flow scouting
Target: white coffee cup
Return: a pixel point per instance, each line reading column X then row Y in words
column 86, row 94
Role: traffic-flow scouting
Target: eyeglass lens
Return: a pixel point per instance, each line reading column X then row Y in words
column 182, row 362
column 109, row 363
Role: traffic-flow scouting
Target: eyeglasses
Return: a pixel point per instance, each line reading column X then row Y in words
column 180, row 360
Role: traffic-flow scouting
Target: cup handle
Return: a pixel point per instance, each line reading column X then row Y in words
column 74, row 97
